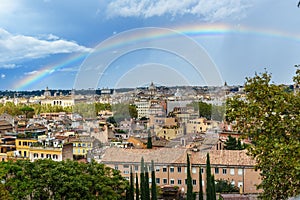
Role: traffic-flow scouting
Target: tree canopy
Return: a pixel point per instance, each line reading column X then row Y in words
column 47, row 179
column 269, row 115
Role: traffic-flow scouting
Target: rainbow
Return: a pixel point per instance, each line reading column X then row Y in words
column 193, row 30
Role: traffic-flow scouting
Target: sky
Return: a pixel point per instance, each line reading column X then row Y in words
column 66, row 44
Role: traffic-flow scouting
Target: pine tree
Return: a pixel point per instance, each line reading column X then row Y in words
column 213, row 187
column 142, row 177
column 149, row 142
column 189, row 195
column 131, row 187
column 153, row 184
column 137, row 190
column 208, row 179
column 147, row 190
column 200, row 185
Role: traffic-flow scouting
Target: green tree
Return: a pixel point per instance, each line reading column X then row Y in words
column 270, row 116
column 224, row 186
column 26, row 110
column 149, row 141
column 142, row 177
column 200, row 184
column 147, row 190
column 189, row 195
column 137, row 190
column 209, row 186
column 132, row 111
column 153, row 182
column 131, row 187
column 213, row 187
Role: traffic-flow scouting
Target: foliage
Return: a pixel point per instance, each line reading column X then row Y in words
column 209, row 189
column 189, row 195
column 153, row 183
column 142, row 178
column 147, row 190
column 133, row 111
column 47, row 179
column 224, row 186
column 209, row 111
column 213, row 187
column 233, row 144
column 26, row 110
column 149, row 141
column 137, row 190
column 200, row 185
column 270, row 117
column 131, row 186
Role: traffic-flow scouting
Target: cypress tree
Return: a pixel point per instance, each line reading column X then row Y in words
column 131, row 187
column 147, row 190
column 142, row 177
column 213, row 187
column 189, row 195
column 208, row 179
column 137, row 190
column 149, row 142
column 200, row 185
column 153, row 183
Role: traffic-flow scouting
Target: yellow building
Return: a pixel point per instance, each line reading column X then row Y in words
column 23, row 146
column 198, row 125
column 169, row 132
column 55, row 152
column 82, row 145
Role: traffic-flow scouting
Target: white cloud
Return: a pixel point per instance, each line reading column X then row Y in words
column 8, row 66
column 209, row 10
column 19, row 47
column 31, row 73
column 3, row 76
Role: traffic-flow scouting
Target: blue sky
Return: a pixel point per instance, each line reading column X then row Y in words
column 46, row 43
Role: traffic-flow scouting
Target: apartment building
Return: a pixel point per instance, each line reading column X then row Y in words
column 171, row 167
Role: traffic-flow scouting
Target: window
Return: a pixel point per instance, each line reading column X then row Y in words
column 179, row 182
column 78, row 150
column 232, row 171
column 54, row 156
column 126, row 172
column 165, row 181
column 194, row 182
column 42, row 155
column 74, row 144
column 172, row 181
column 24, row 143
column 194, row 170
column 116, row 167
column 83, row 144
column 35, row 155
column 185, row 181
column 157, row 168
column 233, row 183
column 125, row 166
column 48, row 155
column 136, row 168
column 179, row 169
column 20, row 143
column 224, row 171
column 202, row 183
column 240, row 171
column 83, row 150
column 164, row 169
column 202, row 170
column 172, row 169
column 157, row 180
column 216, row 170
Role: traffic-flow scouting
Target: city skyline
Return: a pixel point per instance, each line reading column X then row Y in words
column 46, row 43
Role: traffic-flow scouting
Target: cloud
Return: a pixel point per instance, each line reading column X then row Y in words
column 31, row 73
column 209, row 10
column 19, row 47
column 8, row 66
column 3, row 76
